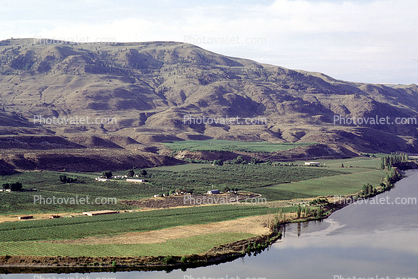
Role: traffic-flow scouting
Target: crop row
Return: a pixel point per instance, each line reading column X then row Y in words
column 78, row 227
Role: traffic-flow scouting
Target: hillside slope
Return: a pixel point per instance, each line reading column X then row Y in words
column 139, row 94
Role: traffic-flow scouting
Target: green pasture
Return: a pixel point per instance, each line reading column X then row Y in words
column 229, row 145
column 185, row 167
column 356, row 162
column 343, row 184
column 83, row 226
column 174, row 247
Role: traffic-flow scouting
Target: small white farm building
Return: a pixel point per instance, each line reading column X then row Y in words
column 135, row 180
column 312, row 164
column 101, row 179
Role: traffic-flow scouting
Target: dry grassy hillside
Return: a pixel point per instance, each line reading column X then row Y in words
column 142, row 92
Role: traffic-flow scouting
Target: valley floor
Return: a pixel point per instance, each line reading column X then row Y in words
column 176, row 231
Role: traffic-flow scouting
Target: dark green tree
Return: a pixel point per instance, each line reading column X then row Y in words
column 320, row 212
column 63, row 178
column 16, row 186
column 218, row 162
column 226, row 189
column 130, row 173
column 107, row 174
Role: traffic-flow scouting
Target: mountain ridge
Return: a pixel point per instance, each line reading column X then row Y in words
column 151, row 87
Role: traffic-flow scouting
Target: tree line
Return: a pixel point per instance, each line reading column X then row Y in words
column 388, row 161
column 17, row 186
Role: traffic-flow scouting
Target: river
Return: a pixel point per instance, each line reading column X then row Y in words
column 360, row 241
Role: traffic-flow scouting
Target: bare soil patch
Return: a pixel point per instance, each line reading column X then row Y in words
column 190, row 200
column 13, row 218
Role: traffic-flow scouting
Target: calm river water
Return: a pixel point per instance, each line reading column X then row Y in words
column 360, row 241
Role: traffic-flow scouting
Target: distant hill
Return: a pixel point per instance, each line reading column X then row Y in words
column 151, row 88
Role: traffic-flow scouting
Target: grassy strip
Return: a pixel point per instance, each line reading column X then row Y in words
column 185, row 167
column 229, row 145
column 79, row 227
column 344, row 184
column 175, row 247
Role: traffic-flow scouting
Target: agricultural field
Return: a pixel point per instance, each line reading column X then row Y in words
column 356, row 172
column 229, row 145
column 160, row 180
column 243, row 177
column 344, row 184
column 48, row 184
column 173, row 247
column 185, row 167
column 356, row 162
column 275, row 182
column 28, row 238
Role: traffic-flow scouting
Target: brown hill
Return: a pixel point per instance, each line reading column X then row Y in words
column 80, row 160
column 135, row 95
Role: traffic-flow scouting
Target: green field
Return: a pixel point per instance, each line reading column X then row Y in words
column 358, row 162
column 274, row 182
column 47, row 185
column 174, row 247
column 328, row 186
column 229, row 145
column 22, row 238
column 356, row 172
column 82, row 226
column 244, row 177
column 185, row 167
column 199, row 177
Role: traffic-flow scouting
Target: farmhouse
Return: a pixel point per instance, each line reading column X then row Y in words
column 101, row 179
column 312, row 164
column 135, row 180
column 212, row 192
column 119, row 176
column 101, row 212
